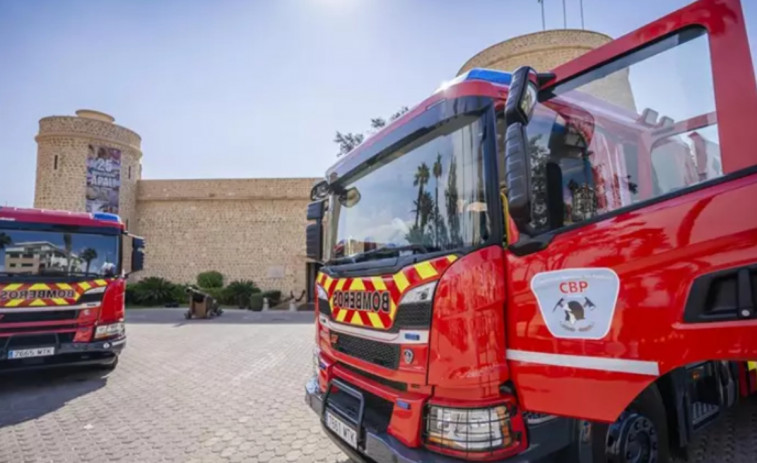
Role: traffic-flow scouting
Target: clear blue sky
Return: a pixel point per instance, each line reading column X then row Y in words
column 231, row 89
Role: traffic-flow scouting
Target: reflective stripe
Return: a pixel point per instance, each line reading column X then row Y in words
column 383, row 336
column 638, row 367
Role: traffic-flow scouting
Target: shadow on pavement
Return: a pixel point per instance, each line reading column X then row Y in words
column 229, row 316
column 25, row 396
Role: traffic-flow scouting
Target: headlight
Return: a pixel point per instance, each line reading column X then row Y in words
column 471, row 430
column 113, row 329
column 421, row 294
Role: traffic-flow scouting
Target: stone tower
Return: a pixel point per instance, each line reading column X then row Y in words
column 87, row 163
column 546, row 50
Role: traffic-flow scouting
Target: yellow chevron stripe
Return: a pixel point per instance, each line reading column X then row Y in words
column 60, row 301
column 38, row 286
column 752, row 366
column 327, row 282
column 101, row 282
column 375, row 320
column 451, row 258
column 356, row 320
column 392, row 309
column 425, row 270
column 12, row 287
column 65, row 286
column 401, row 281
column 37, row 303
column 340, row 284
column 14, row 302
column 378, row 283
column 85, row 286
column 341, row 315
column 357, row 285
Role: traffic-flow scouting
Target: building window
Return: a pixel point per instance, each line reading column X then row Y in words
column 129, row 172
column 55, row 162
column 127, row 224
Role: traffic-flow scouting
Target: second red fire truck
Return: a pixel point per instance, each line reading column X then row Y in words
column 547, row 266
column 62, row 286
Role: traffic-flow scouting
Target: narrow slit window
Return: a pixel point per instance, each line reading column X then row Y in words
column 55, row 162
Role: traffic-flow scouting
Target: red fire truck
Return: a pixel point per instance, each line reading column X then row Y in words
column 547, row 266
column 62, row 288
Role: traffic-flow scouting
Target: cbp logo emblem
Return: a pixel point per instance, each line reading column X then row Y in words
column 577, row 303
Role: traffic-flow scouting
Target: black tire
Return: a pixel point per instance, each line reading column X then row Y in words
column 640, row 435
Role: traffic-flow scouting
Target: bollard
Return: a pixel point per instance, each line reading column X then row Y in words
column 266, row 307
column 292, row 306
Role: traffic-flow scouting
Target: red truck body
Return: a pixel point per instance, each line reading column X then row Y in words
column 611, row 330
column 61, row 289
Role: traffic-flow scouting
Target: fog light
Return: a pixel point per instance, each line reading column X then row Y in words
column 113, row 329
column 458, row 431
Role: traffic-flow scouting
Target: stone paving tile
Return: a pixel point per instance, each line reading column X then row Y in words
column 224, row 390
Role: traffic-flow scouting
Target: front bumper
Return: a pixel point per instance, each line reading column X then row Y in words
column 548, row 441
column 102, row 352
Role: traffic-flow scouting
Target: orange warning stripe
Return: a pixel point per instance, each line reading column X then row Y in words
column 396, row 285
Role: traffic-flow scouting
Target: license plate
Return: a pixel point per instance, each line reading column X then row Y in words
column 29, row 353
column 341, row 429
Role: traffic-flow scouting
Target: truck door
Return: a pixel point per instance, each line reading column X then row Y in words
column 640, row 252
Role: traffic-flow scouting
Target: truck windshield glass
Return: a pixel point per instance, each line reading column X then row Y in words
column 629, row 131
column 32, row 253
column 428, row 196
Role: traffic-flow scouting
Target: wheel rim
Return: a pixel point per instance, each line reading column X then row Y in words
column 632, row 439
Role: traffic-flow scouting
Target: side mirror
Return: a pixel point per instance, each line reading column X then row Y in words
column 521, row 99
column 320, row 190
column 314, row 241
column 316, row 210
column 137, row 253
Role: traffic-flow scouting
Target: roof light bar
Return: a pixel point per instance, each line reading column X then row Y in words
column 106, row 217
column 489, row 75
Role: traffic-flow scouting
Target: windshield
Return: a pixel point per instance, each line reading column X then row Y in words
column 428, row 196
column 25, row 253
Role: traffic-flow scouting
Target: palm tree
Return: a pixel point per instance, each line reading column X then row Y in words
column 452, row 197
column 420, row 180
column 88, row 255
column 5, row 240
column 68, row 245
column 437, row 170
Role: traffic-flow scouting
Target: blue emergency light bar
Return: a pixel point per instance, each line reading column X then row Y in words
column 489, row 75
column 107, row 217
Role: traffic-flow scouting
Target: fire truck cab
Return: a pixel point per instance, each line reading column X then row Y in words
column 62, row 287
column 547, row 266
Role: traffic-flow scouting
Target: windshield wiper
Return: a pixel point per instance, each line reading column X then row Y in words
column 387, row 251
column 383, row 251
column 11, row 275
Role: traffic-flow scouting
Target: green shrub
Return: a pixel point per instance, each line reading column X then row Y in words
column 239, row 292
column 256, row 302
column 210, row 279
column 274, row 296
column 130, row 294
column 154, row 291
